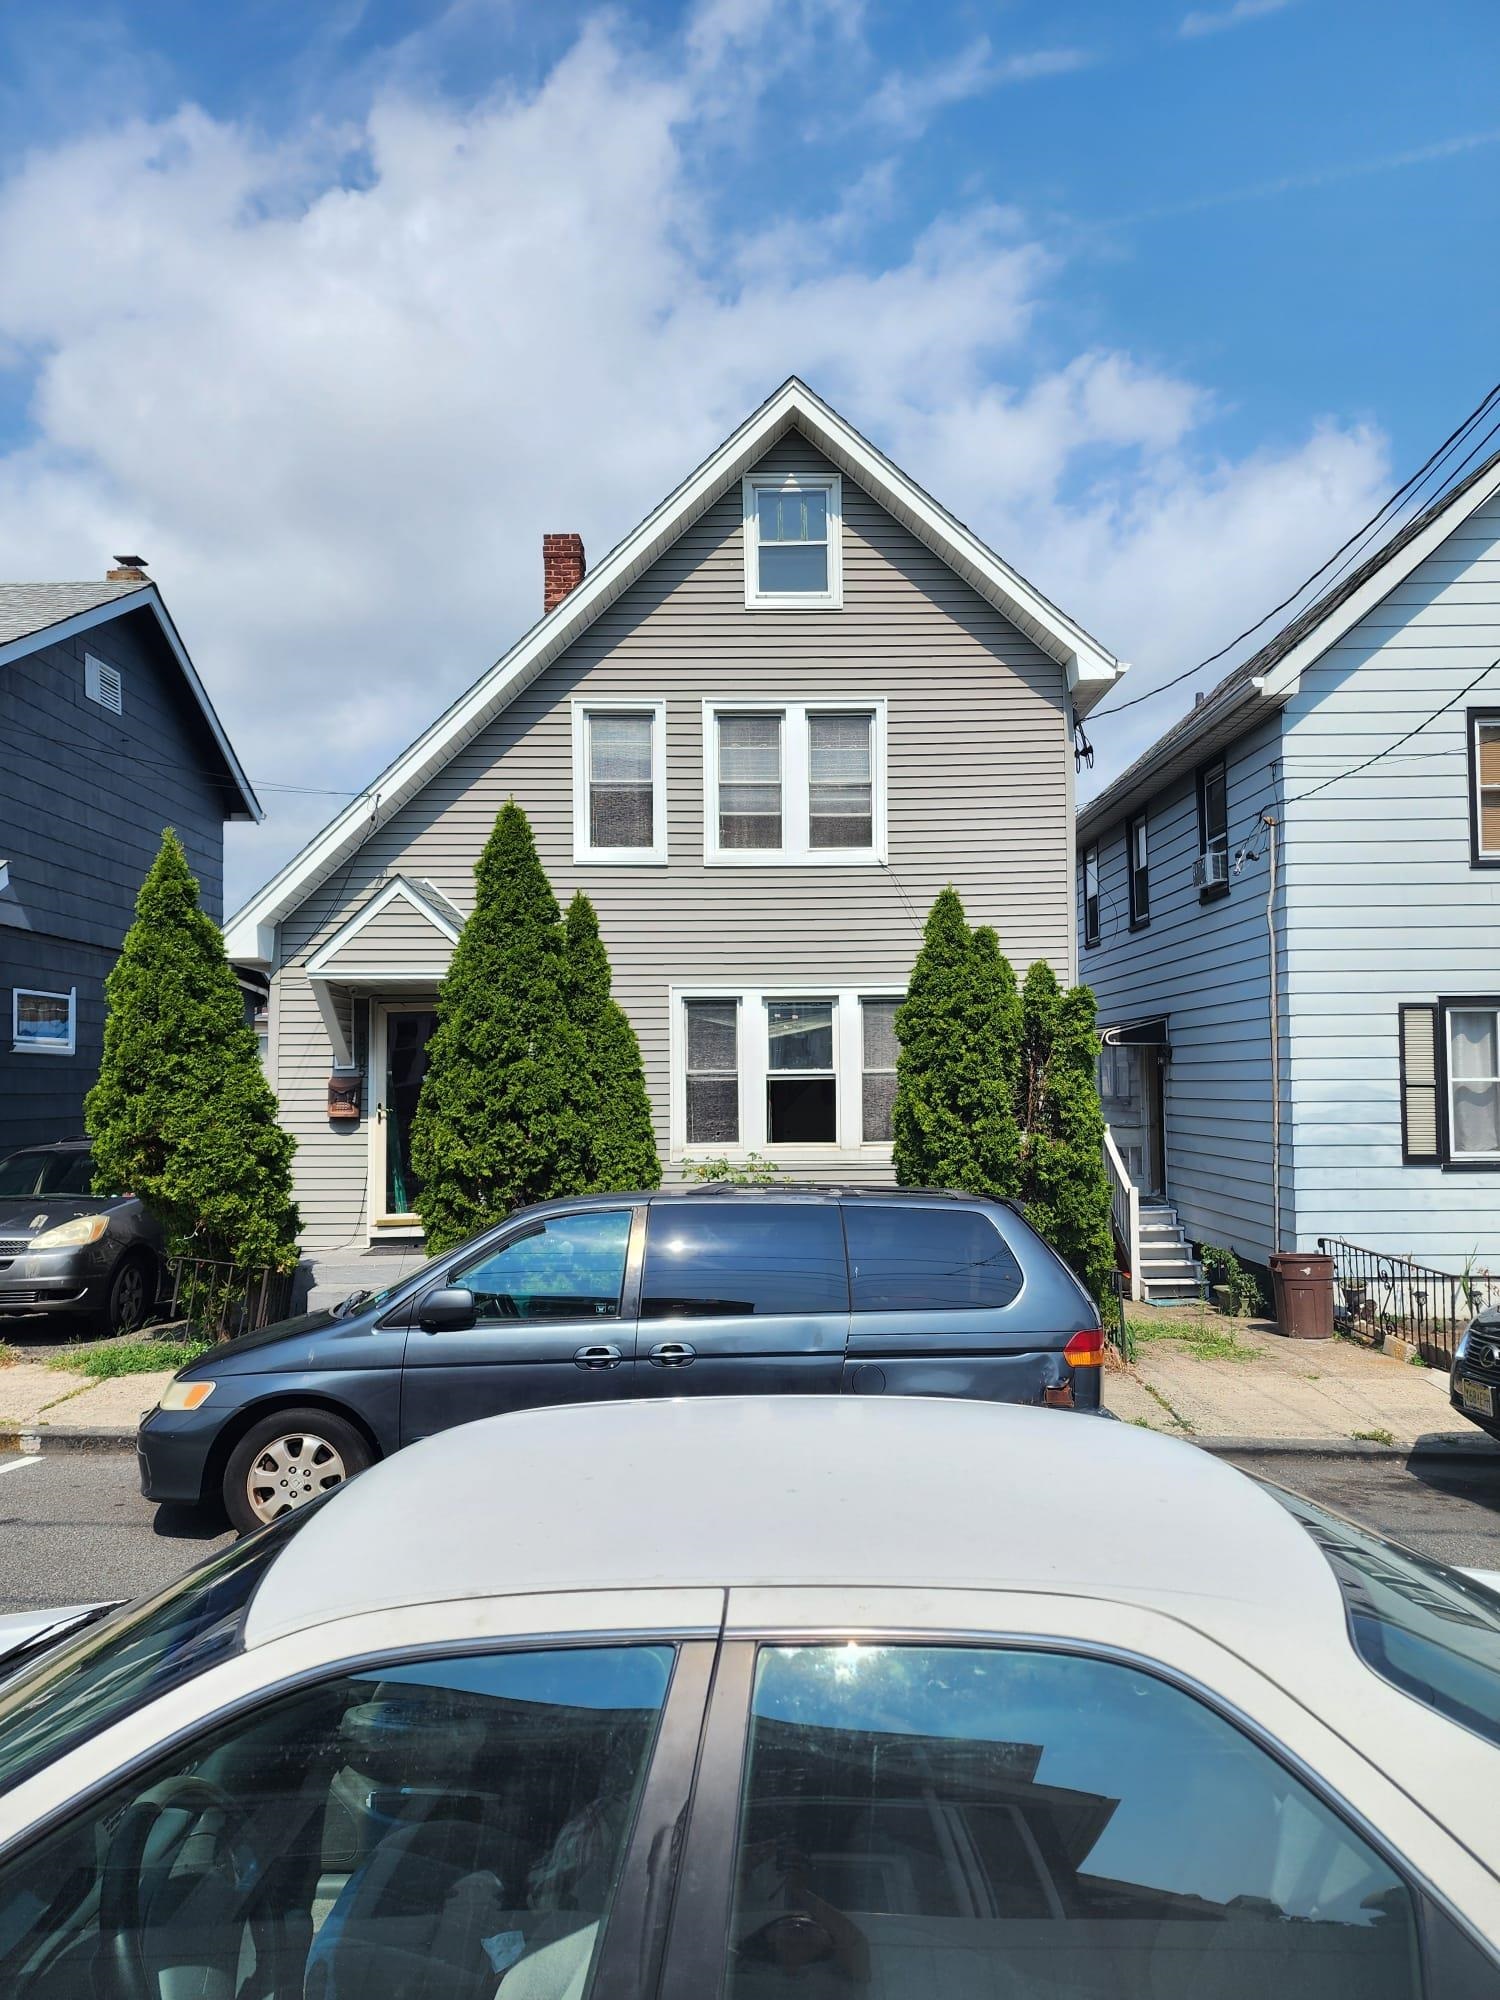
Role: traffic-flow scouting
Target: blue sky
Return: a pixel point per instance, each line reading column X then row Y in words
column 331, row 310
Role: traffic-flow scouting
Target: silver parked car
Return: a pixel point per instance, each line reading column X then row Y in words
column 767, row 1696
column 65, row 1249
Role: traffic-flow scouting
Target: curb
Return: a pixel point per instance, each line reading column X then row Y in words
column 43, row 1439
column 1430, row 1451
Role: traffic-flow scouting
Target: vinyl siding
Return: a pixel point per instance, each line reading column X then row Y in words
column 398, row 935
column 84, row 795
column 1205, row 967
column 979, row 793
column 1384, row 905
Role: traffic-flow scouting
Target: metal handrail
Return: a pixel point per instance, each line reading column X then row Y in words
column 1125, row 1207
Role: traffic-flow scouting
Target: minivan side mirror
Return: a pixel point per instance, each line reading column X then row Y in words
column 448, row 1310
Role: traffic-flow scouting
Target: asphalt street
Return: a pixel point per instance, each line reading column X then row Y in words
column 74, row 1528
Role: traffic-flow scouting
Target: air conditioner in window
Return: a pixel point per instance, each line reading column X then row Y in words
column 1211, row 869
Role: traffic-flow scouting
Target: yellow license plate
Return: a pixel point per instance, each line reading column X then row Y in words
column 1478, row 1397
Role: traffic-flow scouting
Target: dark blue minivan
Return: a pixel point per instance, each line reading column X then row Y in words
column 710, row 1291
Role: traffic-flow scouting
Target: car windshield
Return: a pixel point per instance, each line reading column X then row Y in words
column 25, row 1176
column 141, row 1652
column 1430, row 1630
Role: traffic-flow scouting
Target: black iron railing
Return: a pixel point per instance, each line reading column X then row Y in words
column 1376, row 1294
column 218, row 1299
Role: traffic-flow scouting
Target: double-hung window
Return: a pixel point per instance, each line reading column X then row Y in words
column 1213, row 829
column 1091, row 895
column 793, row 542
column 619, row 781
column 1484, row 787
column 1450, row 1082
column 794, row 783
column 1473, row 1051
column 805, row 1066
column 1138, row 865
column 44, row 1023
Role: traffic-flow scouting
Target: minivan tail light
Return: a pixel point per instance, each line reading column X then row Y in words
column 1086, row 1349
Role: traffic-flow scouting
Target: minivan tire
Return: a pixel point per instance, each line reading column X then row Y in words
column 132, row 1293
column 286, row 1459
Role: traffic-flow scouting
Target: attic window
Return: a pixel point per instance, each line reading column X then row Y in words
column 793, row 543
column 102, row 683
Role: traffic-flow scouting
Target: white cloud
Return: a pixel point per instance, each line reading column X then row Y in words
column 1203, row 21
column 906, row 104
column 336, row 387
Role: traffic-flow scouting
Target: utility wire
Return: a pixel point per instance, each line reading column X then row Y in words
column 1390, row 748
column 79, row 746
column 1397, row 499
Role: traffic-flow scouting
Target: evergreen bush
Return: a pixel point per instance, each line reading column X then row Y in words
column 1062, row 1179
column 501, row 1118
column 953, row 1124
column 182, row 1114
column 620, row 1140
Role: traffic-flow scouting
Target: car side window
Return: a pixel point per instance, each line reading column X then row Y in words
column 454, row 1827
column 569, row 1267
column 967, row 1821
column 712, row 1258
column 911, row 1258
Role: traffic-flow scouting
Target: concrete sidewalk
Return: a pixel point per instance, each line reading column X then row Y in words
column 1197, row 1374
column 35, row 1397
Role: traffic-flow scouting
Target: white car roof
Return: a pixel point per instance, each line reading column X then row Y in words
column 778, row 1490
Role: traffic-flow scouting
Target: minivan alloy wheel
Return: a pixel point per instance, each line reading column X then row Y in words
column 290, row 1471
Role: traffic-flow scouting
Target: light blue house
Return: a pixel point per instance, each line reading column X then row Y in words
column 1289, row 909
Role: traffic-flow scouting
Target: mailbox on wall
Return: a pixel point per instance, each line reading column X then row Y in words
column 343, row 1094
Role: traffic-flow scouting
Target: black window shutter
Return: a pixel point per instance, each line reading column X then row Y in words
column 1419, row 1084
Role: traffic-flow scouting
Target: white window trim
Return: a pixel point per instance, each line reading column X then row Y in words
column 619, row 857
column 22, row 1047
column 753, row 1050
column 831, row 599
column 1466, row 1156
column 795, row 850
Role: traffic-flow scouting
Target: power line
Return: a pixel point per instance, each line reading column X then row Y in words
column 1397, row 499
column 79, row 746
column 1390, row 748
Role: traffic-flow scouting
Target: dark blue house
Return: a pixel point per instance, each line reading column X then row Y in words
column 106, row 736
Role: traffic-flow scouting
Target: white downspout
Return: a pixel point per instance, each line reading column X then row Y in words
column 1275, row 1012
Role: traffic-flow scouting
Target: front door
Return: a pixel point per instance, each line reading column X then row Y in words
column 553, row 1325
column 1130, row 1092
column 742, row 1297
column 400, row 1060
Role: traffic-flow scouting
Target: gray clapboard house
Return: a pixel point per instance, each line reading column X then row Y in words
column 762, row 734
column 106, row 736
column 1332, row 807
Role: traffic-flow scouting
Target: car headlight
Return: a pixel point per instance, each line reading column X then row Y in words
column 185, row 1395
column 70, row 1235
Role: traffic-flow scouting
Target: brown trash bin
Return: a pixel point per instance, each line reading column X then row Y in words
column 1302, row 1281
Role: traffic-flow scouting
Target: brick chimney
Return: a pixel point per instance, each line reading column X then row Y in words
column 131, row 569
column 562, row 567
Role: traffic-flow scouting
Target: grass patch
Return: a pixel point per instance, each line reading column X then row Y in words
column 1199, row 1337
column 130, row 1357
column 1374, row 1437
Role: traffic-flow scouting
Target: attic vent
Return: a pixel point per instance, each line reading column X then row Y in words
column 101, row 683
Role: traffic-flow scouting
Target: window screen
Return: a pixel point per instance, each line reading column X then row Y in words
column 1213, row 809
column 713, row 1076
column 878, row 1019
column 710, row 1258
column 840, row 780
column 792, row 531
column 909, row 1258
column 620, row 783
column 749, row 781
column 1473, row 1082
column 801, row 1088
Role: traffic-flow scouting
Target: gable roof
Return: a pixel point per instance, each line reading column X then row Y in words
column 39, row 614
column 1270, row 677
column 438, row 925
column 1090, row 669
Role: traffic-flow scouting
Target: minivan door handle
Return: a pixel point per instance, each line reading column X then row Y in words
column 672, row 1354
column 598, row 1357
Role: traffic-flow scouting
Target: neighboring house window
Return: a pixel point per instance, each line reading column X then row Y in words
column 44, row 1023
column 1450, row 1082
column 1213, row 829
column 619, row 781
column 1138, row 862
column 793, row 542
column 102, row 683
column 1473, row 1050
column 797, row 783
column 878, row 1019
column 713, row 1072
column 1484, row 787
column 1091, row 895
column 803, row 1067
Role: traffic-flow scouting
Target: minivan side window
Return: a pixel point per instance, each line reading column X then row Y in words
column 711, row 1259
column 964, row 1820
column 907, row 1258
column 569, row 1267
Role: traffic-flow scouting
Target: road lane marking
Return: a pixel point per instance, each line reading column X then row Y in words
column 12, row 1465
